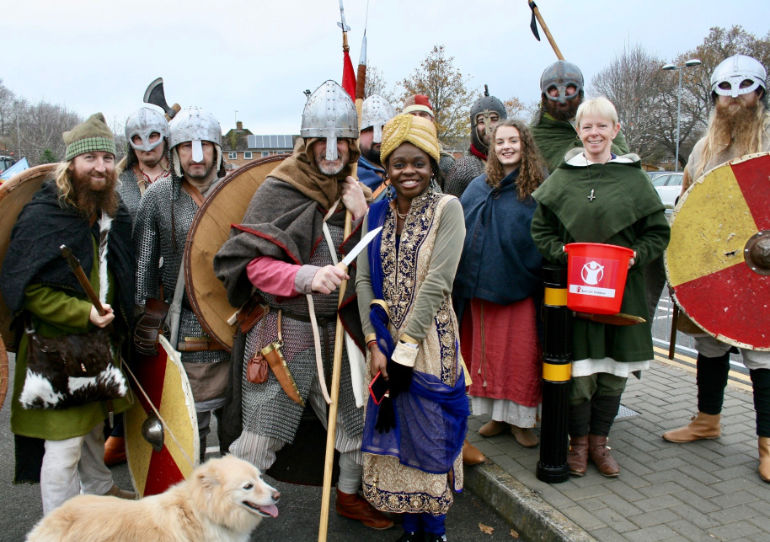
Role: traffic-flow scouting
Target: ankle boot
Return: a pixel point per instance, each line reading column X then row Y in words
column 764, row 458
column 702, row 426
column 472, row 455
column 353, row 506
column 577, row 456
column 600, row 455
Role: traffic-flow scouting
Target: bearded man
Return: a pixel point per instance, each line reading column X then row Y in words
column 80, row 208
column 739, row 125
column 375, row 112
column 165, row 215
column 291, row 236
column 146, row 158
column 561, row 93
column 486, row 112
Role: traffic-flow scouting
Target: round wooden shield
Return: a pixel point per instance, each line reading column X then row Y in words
column 225, row 206
column 14, row 195
column 718, row 259
column 163, row 382
column 3, row 372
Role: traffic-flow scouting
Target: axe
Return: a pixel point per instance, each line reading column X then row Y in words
column 155, row 95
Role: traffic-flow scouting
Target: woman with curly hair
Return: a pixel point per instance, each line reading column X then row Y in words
column 498, row 286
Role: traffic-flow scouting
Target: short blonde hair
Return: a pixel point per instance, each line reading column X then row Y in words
column 601, row 107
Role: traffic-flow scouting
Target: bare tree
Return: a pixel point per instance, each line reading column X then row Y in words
column 36, row 132
column 376, row 84
column 446, row 88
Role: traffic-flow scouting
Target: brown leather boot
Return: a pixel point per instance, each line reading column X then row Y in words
column 351, row 505
column 764, row 458
column 600, row 455
column 114, row 451
column 577, row 457
column 472, row 455
column 701, row 426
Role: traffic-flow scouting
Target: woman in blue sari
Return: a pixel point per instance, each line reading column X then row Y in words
column 413, row 438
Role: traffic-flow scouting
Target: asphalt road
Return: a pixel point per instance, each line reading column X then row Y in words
column 299, row 508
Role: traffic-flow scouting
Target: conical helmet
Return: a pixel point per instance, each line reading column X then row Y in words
column 330, row 113
column 375, row 112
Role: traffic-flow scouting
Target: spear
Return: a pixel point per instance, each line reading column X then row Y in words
column 349, row 84
column 533, row 26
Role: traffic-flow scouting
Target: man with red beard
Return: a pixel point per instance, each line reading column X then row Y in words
column 739, row 125
column 82, row 209
column 561, row 87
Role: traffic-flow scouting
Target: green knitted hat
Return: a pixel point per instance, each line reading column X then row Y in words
column 92, row 135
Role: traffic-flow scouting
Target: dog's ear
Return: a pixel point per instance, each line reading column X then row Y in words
column 208, row 477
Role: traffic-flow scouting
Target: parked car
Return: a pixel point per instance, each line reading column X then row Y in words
column 668, row 185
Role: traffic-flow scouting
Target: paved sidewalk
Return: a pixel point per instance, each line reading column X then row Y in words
column 702, row 491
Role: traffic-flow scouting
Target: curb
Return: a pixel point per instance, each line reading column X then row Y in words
column 521, row 506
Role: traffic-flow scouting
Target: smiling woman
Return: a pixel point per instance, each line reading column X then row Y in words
column 413, row 437
column 597, row 197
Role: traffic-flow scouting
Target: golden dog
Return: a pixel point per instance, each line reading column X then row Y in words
column 223, row 500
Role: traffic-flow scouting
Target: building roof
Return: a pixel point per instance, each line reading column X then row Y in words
column 258, row 142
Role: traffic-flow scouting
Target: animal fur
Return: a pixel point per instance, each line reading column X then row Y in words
column 223, row 500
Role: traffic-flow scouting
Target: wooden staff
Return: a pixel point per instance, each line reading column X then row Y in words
column 331, row 427
column 77, row 269
column 548, row 35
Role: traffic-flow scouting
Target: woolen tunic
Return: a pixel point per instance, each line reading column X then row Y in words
column 625, row 211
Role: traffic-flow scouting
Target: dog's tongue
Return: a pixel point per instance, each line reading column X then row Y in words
column 271, row 510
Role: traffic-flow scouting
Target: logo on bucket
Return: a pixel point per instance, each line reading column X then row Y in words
column 595, row 278
column 592, row 273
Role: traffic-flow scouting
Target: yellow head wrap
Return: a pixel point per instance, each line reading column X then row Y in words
column 406, row 128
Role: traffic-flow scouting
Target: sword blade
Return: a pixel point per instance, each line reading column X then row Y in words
column 361, row 245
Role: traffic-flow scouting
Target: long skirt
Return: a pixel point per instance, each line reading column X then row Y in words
column 501, row 349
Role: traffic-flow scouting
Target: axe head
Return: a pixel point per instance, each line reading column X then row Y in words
column 156, row 96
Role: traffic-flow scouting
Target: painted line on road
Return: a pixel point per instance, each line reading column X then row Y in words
column 737, row 379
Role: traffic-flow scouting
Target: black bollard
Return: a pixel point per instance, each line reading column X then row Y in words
column 557, row 368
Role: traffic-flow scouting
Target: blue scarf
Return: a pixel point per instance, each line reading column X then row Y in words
column 432, row 417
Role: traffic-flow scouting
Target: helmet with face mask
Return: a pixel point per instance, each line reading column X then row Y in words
column 560, row 75
column 731, row 73
column 485, row 106
column 195, row 125
column 144, row 122
column 329, row 113
column 375, row 112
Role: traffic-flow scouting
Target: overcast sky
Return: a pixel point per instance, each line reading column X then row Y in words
column 257, row 57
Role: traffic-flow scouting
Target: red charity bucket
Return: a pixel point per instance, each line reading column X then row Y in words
column 596, row 277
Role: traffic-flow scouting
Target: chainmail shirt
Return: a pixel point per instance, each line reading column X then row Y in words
column 163, row 219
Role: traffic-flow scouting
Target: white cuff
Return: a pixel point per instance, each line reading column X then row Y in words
column 405, row 354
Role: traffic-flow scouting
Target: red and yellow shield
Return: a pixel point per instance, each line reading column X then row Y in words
column 162, row 391
column 718, row 259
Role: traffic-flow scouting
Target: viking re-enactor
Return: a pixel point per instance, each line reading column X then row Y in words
column 82, row 209
column 146, row 158
column 290, row 237
column 739, row 125
column 561, row 93
column 486, row 112
column 164, row 217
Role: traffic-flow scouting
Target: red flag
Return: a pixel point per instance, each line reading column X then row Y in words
column 348, row 76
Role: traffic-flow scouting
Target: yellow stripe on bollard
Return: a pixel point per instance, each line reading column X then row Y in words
column 557, row 372
column 555, row 297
